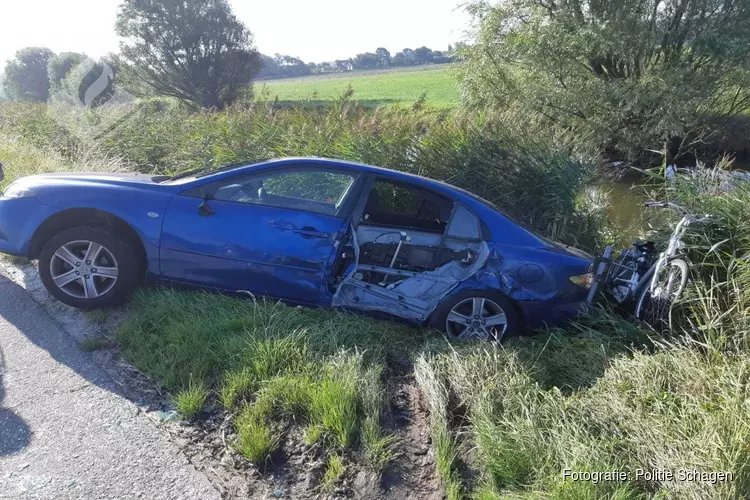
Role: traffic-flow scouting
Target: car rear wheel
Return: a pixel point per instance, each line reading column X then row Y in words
column 477, row 315
column 89, row 268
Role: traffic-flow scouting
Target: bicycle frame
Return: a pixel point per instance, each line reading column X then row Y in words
column 635, row 281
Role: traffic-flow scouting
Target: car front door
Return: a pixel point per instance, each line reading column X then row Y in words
column 271, row 233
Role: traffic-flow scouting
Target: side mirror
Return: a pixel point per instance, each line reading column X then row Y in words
column 204, row 209
column 2, row 173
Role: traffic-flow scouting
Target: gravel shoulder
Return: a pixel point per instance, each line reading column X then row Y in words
column 65, row 429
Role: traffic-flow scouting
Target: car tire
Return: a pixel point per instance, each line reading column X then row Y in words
column 108, row 279
column 493, row 306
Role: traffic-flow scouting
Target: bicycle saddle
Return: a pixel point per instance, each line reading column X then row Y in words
column 645, row 246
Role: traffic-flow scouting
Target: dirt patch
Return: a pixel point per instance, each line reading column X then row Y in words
column 297, row 469
column 413, row 473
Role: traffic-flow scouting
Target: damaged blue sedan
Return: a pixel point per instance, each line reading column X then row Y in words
column 306, row 230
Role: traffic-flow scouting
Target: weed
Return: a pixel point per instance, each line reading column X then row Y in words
column 190, row 401
column 380, row 449
column 238, row 386
column 334, row 471
column 334, row 404
column 256, row 439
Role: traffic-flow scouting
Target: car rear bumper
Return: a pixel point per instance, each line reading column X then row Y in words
column 540, row 313
column 19, row 218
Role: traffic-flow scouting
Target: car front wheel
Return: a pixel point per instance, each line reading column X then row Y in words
column 89, row 268
column 477, row 314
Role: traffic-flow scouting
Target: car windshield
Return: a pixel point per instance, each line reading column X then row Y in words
column 199, row 173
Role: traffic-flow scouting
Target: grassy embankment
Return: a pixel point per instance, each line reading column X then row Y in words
column 599, row 395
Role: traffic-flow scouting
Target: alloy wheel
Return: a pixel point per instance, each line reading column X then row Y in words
column 84, row 269
column 477, row 318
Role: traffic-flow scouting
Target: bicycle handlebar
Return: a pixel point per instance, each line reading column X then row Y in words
column 684, row 211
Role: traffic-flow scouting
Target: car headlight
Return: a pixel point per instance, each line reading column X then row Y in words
column 583, row 280
column 16, row 190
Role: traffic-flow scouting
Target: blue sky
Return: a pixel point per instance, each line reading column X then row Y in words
column 317, row 31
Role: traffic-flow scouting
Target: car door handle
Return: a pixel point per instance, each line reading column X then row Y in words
column 311, row 232
column 306, row 232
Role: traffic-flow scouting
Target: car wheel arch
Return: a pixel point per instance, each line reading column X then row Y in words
column 74, row 217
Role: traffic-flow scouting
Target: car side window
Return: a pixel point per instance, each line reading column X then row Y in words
column 404, row 206
column 464, row 225
column 311, row 190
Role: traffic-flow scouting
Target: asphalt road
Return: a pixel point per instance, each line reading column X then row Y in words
column 64, row 431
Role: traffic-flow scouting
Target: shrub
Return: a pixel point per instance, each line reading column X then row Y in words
column 624, row 76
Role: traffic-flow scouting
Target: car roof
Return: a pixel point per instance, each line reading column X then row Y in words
column 361, row 167
column 483, row 207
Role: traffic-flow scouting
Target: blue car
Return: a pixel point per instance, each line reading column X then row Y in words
column 306, row 230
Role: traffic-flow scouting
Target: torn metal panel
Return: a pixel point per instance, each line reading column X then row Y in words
column 414, row 297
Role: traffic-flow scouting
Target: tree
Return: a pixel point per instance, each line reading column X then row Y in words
column 194, row 50
column 26, row 75
column 270, row 68
column 368, row 60
column 625, row 75
column 290, row 66
column 60, row 65
column 423, row 55
column 91, row 84
column 384, row 56
column 399, row 59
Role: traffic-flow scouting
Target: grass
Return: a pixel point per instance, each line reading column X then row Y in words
column 433, row 385
column 98, row 316
column 256, row 439
column 190, row 401
column 92, row 344
column 438, row 85
column 272, row 365
column 21, row 158
column 334, row 471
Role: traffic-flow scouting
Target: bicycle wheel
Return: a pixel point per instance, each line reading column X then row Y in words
column 656, row 308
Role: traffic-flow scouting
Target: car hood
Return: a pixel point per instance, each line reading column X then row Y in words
column 91, row 177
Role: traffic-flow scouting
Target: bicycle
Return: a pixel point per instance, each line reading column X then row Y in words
column 651, row 283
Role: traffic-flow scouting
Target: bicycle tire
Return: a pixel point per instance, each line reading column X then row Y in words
column 657, row 313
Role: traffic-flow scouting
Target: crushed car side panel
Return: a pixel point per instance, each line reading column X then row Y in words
column 409, row 295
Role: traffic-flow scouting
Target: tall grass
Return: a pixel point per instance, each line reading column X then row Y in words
column 22, row 158
column 490, row 155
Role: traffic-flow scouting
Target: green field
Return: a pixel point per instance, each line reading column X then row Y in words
column 371, row 88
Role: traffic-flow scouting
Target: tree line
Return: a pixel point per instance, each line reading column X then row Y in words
column 284, row 66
